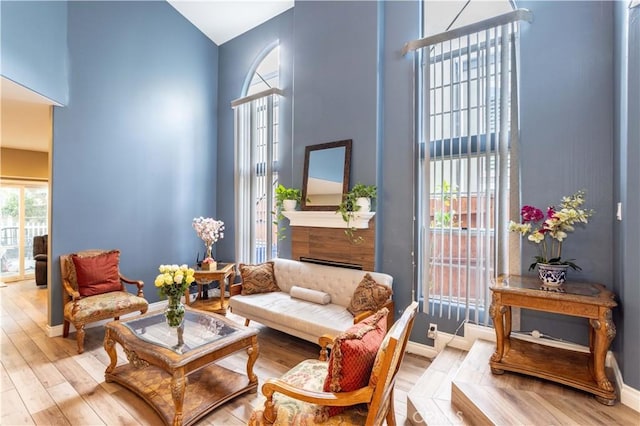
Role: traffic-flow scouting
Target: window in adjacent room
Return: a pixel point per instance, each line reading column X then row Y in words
column 256, row 161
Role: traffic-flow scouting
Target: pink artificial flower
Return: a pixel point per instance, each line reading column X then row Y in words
column 531, row 214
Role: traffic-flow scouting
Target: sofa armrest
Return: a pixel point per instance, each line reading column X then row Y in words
column 235, row 289
column 388, row 304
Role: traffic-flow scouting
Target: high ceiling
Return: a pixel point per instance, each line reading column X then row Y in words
column 222, row 20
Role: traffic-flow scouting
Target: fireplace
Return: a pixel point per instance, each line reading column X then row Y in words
column 332, row 246
column 330, row 263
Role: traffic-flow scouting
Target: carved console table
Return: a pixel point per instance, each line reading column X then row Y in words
column 585, row 371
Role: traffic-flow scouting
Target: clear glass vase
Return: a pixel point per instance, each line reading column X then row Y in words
column 174, row 313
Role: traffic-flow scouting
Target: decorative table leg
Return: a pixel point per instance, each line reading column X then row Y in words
column 253, row 356
column 177, row 394
column 110, row 347
column 496, row 311
column 604, row 330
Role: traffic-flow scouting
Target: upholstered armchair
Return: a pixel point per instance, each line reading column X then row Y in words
column 342, row 391
column 94, row 290
column 40, row 256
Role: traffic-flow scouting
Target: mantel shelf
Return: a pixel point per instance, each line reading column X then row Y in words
column 327, row 219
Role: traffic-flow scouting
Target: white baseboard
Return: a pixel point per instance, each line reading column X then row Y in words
column 56, row 330
column 628, row 395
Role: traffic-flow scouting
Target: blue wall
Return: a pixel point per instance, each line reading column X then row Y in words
column 566, row 99
column 627, row 180
column 134, row 152
column 335, row 70
column 34, row 46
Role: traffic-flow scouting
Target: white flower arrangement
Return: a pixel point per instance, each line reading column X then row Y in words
column 209, row 230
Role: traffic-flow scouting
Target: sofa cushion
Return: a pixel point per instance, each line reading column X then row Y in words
column 105, row 305
column 298, row 317
column 258, row 278
column 97, row 274
column 313, row 296
column 339, row 283
column 369, row 295
column 352, row 356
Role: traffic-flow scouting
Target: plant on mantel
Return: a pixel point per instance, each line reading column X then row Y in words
column 350, row 205
column 283, row 193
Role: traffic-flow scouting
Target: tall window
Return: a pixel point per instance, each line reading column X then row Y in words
column 256, row 163
column 468, row 129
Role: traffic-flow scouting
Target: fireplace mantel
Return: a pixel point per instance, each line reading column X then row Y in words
column 327, row 219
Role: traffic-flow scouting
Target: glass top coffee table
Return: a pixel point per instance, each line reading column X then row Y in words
column 174, row 369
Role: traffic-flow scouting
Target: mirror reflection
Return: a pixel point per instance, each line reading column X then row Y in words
column 326, row 175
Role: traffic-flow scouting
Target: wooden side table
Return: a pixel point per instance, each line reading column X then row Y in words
column 580, row 370
column 223, row 272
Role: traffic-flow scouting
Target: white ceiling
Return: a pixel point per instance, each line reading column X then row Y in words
column 222, row 20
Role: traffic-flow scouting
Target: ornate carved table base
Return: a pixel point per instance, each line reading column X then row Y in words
column 585, row 371
column 182, row 388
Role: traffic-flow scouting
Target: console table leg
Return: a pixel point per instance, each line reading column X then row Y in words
column 605, row 331
column 497, row 314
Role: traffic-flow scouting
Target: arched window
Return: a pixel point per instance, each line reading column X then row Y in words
column 256, row 160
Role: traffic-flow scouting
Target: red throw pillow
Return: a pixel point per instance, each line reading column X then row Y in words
column 352, row 358
column 97, row 274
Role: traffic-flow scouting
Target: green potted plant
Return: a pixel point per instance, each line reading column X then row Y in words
column 358, row 199
column 286, row 199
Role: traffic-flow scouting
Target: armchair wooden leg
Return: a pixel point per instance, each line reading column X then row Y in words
column 65, row 328
column 268, row 415
column 80, row 337
column 246, row 322
column 391, row 414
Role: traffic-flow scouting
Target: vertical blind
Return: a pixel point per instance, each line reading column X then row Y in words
column 256, row 175
column 468, row 98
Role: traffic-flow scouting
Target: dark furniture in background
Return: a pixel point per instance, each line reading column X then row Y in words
column 40, row 255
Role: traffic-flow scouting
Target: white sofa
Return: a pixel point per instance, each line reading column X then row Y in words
column 300, row 318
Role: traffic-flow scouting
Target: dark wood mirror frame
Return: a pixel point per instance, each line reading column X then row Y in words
column 307, row 197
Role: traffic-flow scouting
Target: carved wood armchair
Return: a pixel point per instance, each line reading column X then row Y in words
column 296, row 397
column 94, row 290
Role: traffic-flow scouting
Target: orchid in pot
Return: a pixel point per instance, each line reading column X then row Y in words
column 549, row 231
column 210, row 231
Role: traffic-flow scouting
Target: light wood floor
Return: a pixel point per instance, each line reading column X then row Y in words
column 44, row 381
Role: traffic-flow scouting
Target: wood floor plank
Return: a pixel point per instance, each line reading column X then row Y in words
column 33, row 394
column 50, row 416
column 5, row 380
column 37, row 360
column 14, row 412
column 76, row 410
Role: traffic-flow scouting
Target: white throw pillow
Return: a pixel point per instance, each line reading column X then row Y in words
column 314, row 296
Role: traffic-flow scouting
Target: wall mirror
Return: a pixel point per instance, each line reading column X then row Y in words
column 326, row 175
